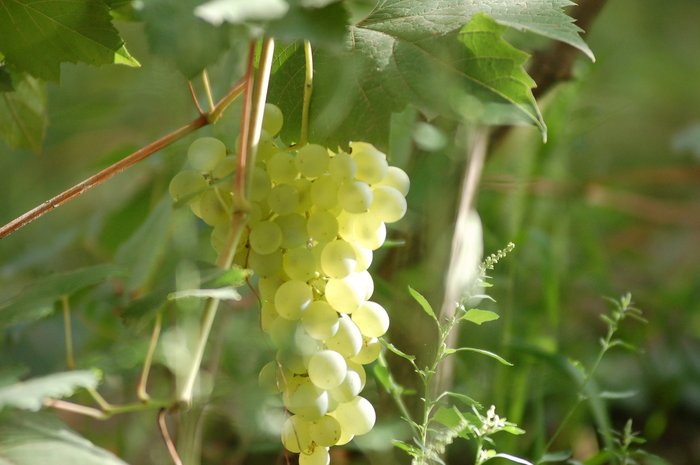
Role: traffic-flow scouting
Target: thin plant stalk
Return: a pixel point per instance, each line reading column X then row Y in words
column 68, row 333
column 142, row 389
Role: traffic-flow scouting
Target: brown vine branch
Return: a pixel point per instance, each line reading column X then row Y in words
column 124, row 163
column 165, row 434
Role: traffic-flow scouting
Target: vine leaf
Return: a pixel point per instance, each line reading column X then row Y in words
column 30, row 394
column 31, row 438
column 23, row 116
column 38, row 35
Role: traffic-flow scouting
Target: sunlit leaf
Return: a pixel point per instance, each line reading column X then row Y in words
column 423, row 302
column 30, row 394
column 479, row 351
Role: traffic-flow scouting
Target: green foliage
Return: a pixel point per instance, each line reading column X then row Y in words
column 23, row 117
column 31, row 394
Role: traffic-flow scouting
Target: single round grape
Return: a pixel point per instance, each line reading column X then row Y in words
column 291, row 361
column 312, row 160
column 281, row 168
column 369, row 231
column 292, row 298
column 342, row 167
column 266, row 265
column 294, row 229
column 307, row 401
column 345, row 437
column 268, row 314
column 364, row 257
column 356, row 417
column 338, row 259
column 322, row 226
column 205, row 153
column 268, row 377
column 355, row 196
column 345, row 294
column 325, row 431
column 303, row 187
column 363, row 279
column 319, row 456
column 371, row 348
column 265, row 237
column 273, row 119
column 320, row 320
column 186, row 184
column 260, row 187
column 371, row 319
column 304, row 344
column 347, row 341
column 360, row 370
column 349, row 388
column 268, row 286
column 396, row 178
column 225, row 167
column 296, row 435
column 387, row 204
column 371, row 163
column 327, row 369
column 299, row 264
column 324, row 192
column 283, row 199
column 282, row 333
column 215, row 207
column 346, row 226
column 266, row 148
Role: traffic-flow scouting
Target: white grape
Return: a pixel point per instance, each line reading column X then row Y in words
column 338, row 259
column 369, row 231
column 299, row 264
column 224, row 167
column 293, row 227
column 344, row 295
column 319, row 456
column 308, row 402
column 292, row 298
column 387, row 204
column 281, row 168
column 205, row 153
column 261, row 186
column 320, row 320
column 324, row 192
column 396, row 178
column 371, row 348
column 327, row 369
column 325, row 431
column 296, row 435
column 273, row 119
column 371, row 163
column 265, row 237
column 356, row 416
column 283, row 199
column 322, row 226
column 347, row 341
column 186, row 184
column 371, row 319
column 312, row 160
column 348, row 388
column 355, row 196
column 266, row 265
column 342, row 167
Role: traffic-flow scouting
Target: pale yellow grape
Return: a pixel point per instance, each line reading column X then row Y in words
column 291, row 361
column 292, row 298
column 319, row 456
column 364, row 280
column 215, row 206
column 307, row 401
column 364, row 257
column 346, row 226
column 347, row 341
column 268, row 378
column 186, row 184
column 282, row 333
column 265, row 237
column 396, row 178
column 338, row 259
column 344, row 295
column 273, row 119
column 283, row 199
column 356, row 417
column 342, row 167
column 205, row 153
column 304, row 344
column 265, row 265
column 299, row 264
column 303, row 187
column 371, row 319
column 266, row 148
column 371, row 348
column 324, row 192
column 268, row 286
column 260, row 187
column 255, row 214
column 225, row 167
column 360, row 370
column 388, row 204
column 281, row 168
column 345, row 437
column 322, row 226
column 296, row 435
column 294, row 230
column 349, row 388
column 355, row 196
column 268, row 314
column 312, row 160
column 371, row 163
column 327, row 369
column 369, row 231
column 325, row 431
column 320, row 320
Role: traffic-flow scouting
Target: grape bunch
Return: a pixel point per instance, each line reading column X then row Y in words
column 316, row 218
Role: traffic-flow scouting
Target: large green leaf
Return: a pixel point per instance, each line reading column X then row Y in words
column 40, row 439
column 412, row 51
column 38, row 35
column 36, row 301
column 30, row 394
column 23, row 116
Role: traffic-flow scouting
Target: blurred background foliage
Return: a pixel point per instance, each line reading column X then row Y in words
column 610, row 204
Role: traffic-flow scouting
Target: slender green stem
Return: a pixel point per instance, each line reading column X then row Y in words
column 207, row 90
column 194, row 98
column 308, row 89
column 68, row 332
column 142, row 389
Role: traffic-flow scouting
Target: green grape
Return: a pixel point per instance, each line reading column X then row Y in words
column 371, row 348
column 265, row 265
column 364, row 257
column 292, row 298
column 319, row 456
column 320, row 320
column 345, row 294
column 225, row 167
column 369, row 231
column 304, row 344
column 360, row 370
column 349, row 388
column 266, row 148
column 282, row 333
column 355, row 196
column 299, row 264
column 205, row 153
column 265, row 237
column 347, row 341
column 273, row 119
column 260, row 187
column 327, row 369
column 346, row 226
column 303, row 187
column 324, row 192
column 356, row 417
column 388, row 204
column 345, row 437
column 291, row 361
column 268, row 286
column 268, row 377
column 312, row 160
column 371, row 163
column 281, row 168
column 364, row 281
column 342, row 167
column 293, row 228
column 325, row 431
column 371, row 319
column 296, row 435
column 186, row 184
column 283, row 199
column 322, row 226
column 396, row 178
column 338, row 259
column 268, row 314
column 307, row 401
column 215, row 207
